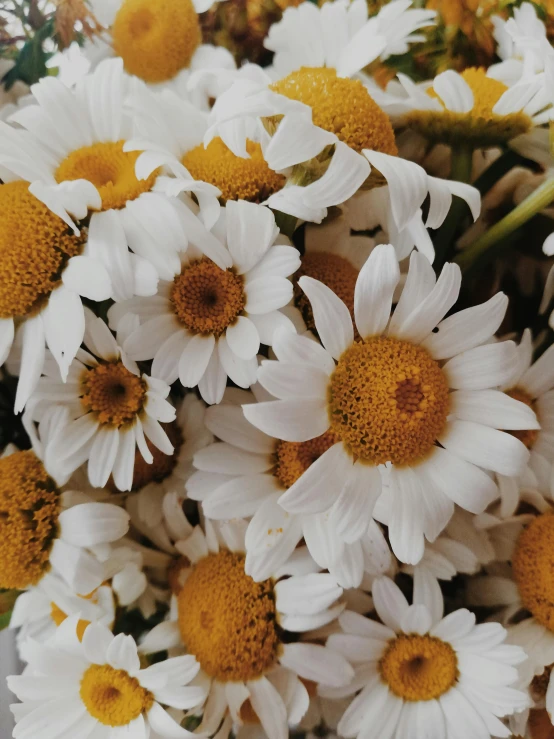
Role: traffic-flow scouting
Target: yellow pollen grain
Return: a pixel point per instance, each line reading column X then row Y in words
column 294, row 457
column 156, row 39
column 388, row 401
column 113, row 697
column 35, row 246
column 526, row 436
column 418, row 668
column 533, row 568
column 112, row 393
column 207, row 299
column 334, row 271
column 162, row 465
column 342, row 106
column 479, row 126
column 227, row 621
column 29, row 510
column 110, row 169
column 58, row 617
column 237, row 178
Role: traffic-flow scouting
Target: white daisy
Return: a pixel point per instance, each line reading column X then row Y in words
column 72, row 154
column 43, row 528
column 159, row 43
column 246, row 473
column 339, row 34
column 208, row 323
column 422, row 674
column 387, row 399
column 42, row 608
column 240, row 632
column 470, row 108
column 101, row 415
column 96, row 687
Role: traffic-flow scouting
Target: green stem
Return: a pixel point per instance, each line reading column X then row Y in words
column 460, row 170
column 537, row 201
column 285, row 223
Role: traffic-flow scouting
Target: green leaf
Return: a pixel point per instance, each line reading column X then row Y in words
column 30, row 63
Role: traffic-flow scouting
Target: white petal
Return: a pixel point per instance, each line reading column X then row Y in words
column 212, row 384
column 251, row 230
column 300, row 380
column 454, row 91
column 266, row 294
column 483, row 367
column 307, row 594
column 390, row 603
column 243, row 339
column 290, row 420
column 89, row 524
column 317, row 663
column 87, row 277
column 406, row 524
column 492, row 408
column 416, row 620
column 269, row 707
column 331, row 316
column 540, row 376
column 122, row 654
column 488, row 448
column 354, row 507
column 289, row 347
column 32, row 360
column 64, row 326
column 420, row 281
column 164, row 725
column 241, row 371
column 374, row 291
column 194, row 359
column 238, row 498
column 102, row 456
column 7, row 331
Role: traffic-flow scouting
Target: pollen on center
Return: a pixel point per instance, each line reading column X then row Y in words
column 112, row 393
column 388, row 401
column 228, row 621
column 113, row 697
column 294, row 457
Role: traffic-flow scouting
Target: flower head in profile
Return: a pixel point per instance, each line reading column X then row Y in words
column 419, row 670
column 105, row 411
column 249, row 636
column 208, row 323
column 410, row 407
column 95, row 685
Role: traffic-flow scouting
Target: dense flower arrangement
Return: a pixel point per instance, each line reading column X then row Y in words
column 277, row 368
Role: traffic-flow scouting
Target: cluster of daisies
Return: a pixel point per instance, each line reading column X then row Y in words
column 287, row 461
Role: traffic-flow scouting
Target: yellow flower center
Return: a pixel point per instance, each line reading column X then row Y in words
column 113, row 393
column 110, row 169
column 480, row 126
column 35, row 246
column 113, row 697
column 388, row 401
column 207, row 299
column 29, row 510
column 156, row 40
column 533, row 567
column 227, row 620
column 162, row 465
column 237, row 178
column 58, row 617
column 527, row 436
column 342, row 106
column 418, row 668
column 294, row 457
column 334, row 271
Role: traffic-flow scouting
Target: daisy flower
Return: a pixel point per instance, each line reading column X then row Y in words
column 468, row 108
column 96, row 687
column 422, row 674
column 104, row 412
column 246, row 473
column 245, row 634
column 159, row 43
column 72, row 154
column 339, row 34
column 42, row 608
column 208, row 323
column 389, row 398
column 43, row 529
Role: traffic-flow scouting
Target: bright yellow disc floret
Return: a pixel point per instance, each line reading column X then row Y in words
column 35, row 246
column 238, row 178
column 388, row 401
column 110, row 169
column 113, row 697
column 533, row 567
column 294, row 457
column 334, row 271
column 29, row 510
column 342, row 106
column 418, row 668
column 480, row 126
column 227, row 620
column 112, row 393
column 207, row 299
column 156, row 38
